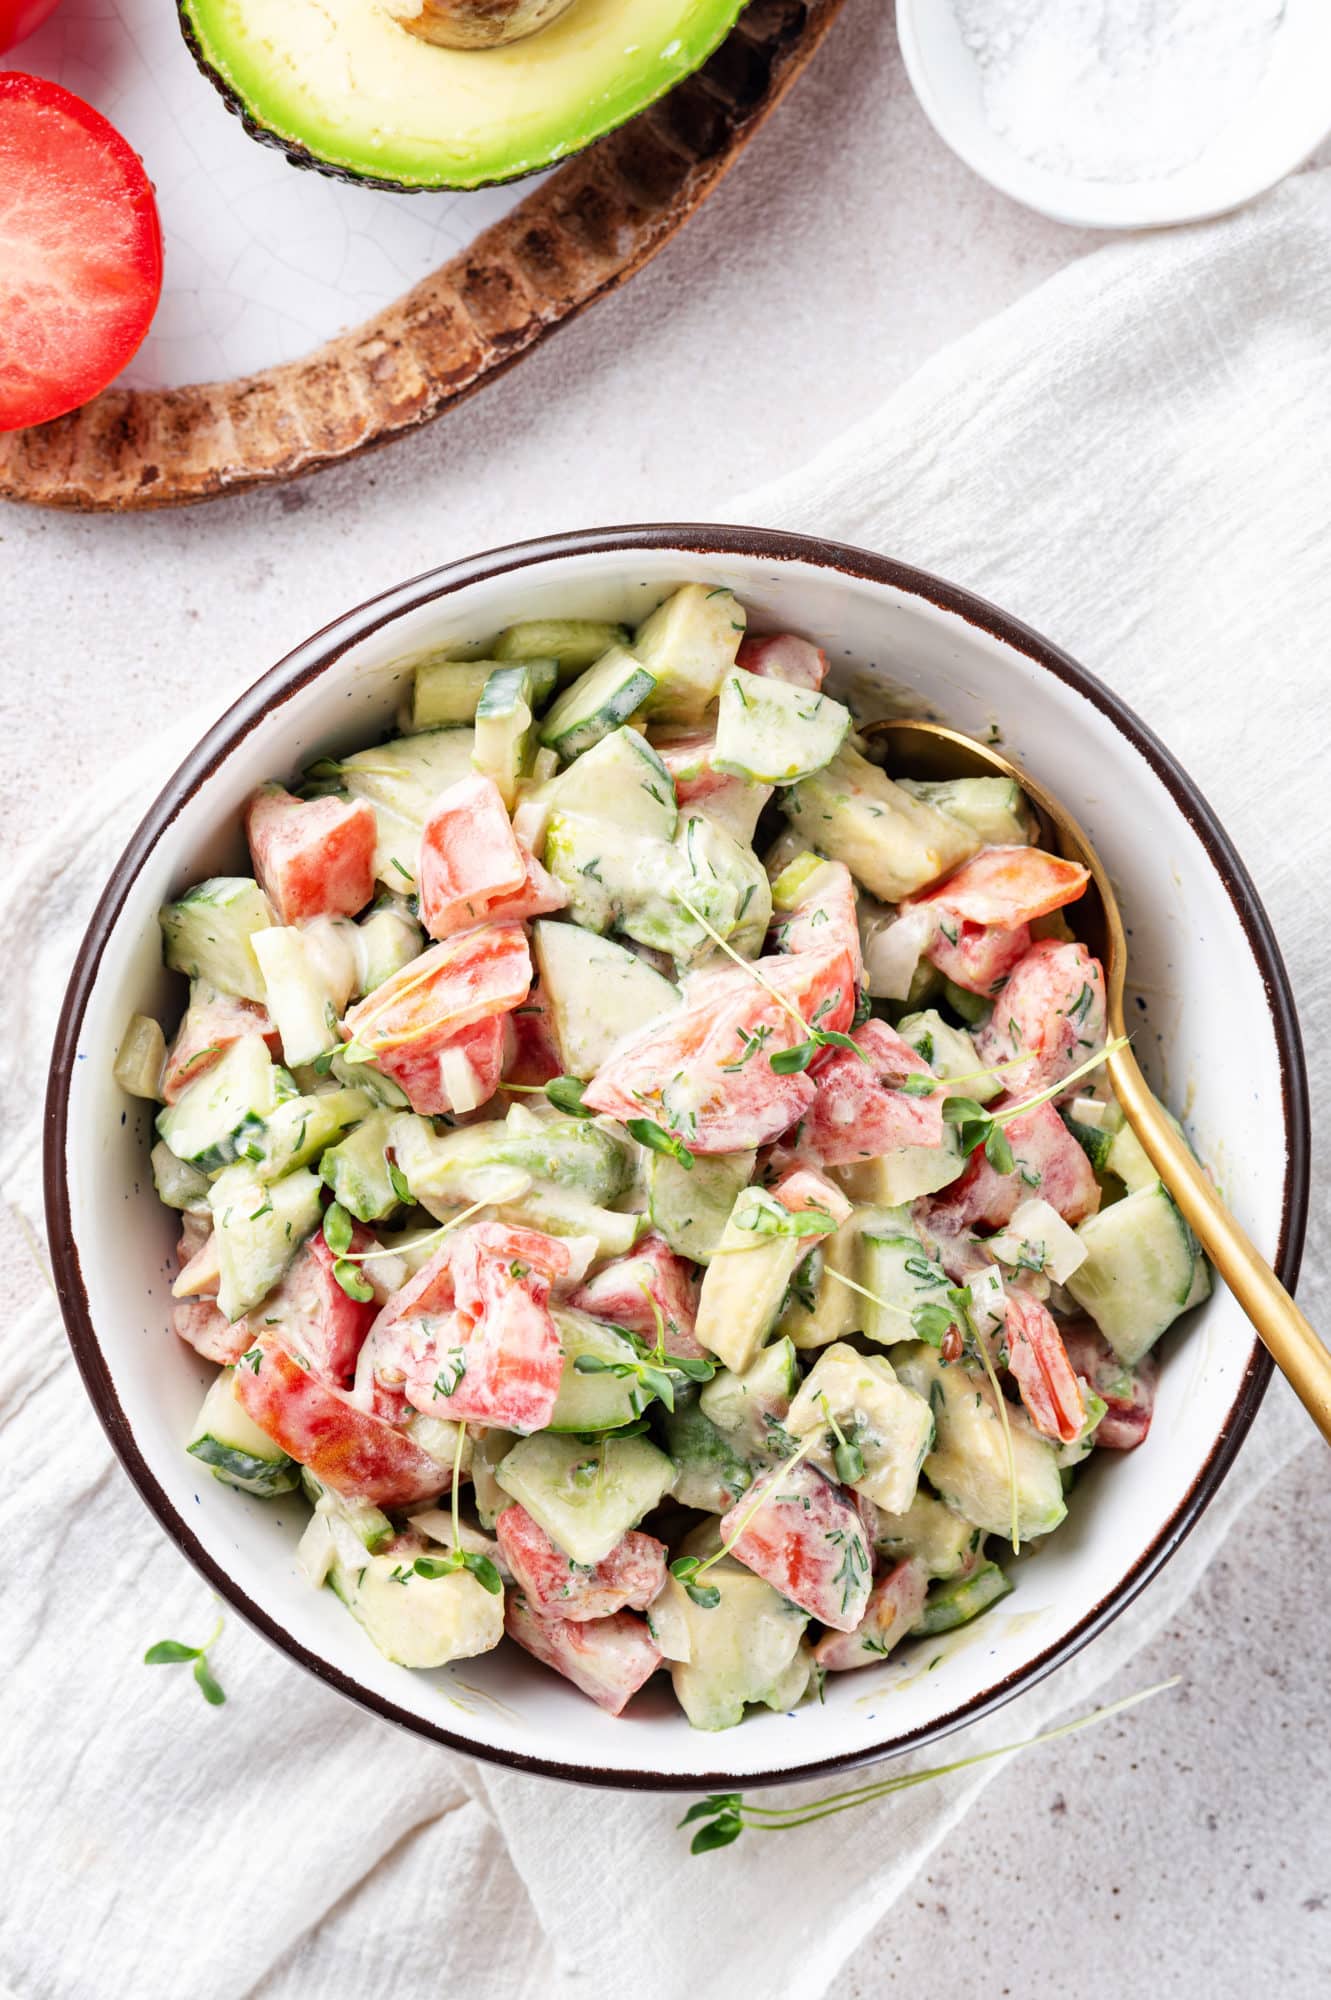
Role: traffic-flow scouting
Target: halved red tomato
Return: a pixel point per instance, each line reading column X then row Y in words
column 80, row 250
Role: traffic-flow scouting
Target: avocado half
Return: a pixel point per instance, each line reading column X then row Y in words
column 342, row 86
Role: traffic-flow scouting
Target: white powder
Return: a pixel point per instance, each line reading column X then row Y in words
column 1117, row 90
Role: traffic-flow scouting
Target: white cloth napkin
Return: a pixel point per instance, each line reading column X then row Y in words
column 1135, row 459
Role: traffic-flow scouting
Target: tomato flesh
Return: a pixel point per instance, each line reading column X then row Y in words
column 802, row 1535
column 608, row 1659
column 1042, row 1371
column 627, row 1579
column 626, row 1289
column 313, row 857
column 80, row 251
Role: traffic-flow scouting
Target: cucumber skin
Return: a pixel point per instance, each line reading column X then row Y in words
column 263, row 1477
column 956, row 1603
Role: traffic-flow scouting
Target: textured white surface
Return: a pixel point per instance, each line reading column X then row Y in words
column 782, row 313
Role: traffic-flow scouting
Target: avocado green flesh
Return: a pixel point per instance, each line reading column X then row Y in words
column 343, row 81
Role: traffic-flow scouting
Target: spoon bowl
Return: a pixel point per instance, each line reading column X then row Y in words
column 930, row 750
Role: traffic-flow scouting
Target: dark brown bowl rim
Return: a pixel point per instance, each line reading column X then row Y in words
column 306, row 663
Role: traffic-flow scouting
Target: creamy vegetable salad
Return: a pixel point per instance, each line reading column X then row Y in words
column 646, row 1175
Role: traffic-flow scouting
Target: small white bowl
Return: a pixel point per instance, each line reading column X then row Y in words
column 1285, row 119
column 1216, row 1031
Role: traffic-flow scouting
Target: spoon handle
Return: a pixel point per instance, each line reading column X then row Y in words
column 1294, row 1347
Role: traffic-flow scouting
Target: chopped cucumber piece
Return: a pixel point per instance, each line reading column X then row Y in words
column 750, row 1409
column 892, row 842
column 995, row 808
column 897, row 1178
column 929, row 1533
column 209, row 934
column 586, row 1497
column 774, row 734
column 620, row 779
column 1037, row 1239
column 821, row 1308
column 746, row 1280
column 748, row 1648
column 561, row 1211
column 968, row 1467
column 178, row 1184
column 300, row 1000
column 897, row 1269
column 384, row 942
column 889, row 1424
column 1138, row 1272
column 140, row 1058
column 573, row 643
column 691, row 1206
column 973, row 1008
column 298, row 1130
column 688, row 642
column 258, row 1231
column 595, row 865
column 1128, row 1159
column 418, row 1621
column 724, row 882
column 477, row 1162
column 965, row 1597
column 489, row 1451
column 370, row 1525
column 949, row 1052
column 505, row 738
column 597, row 993
column 226, row 1438
column 1085, row 1120
column 213, row 1120
column 596, row 703
column 709, row 1472
column 599, row 1402
column 447, row 692
column 357, row 1169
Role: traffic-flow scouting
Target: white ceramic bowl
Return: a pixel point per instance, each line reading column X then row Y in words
column 1285, row 119
column 1211, row 983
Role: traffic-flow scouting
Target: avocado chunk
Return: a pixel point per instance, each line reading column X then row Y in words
column 353, row 87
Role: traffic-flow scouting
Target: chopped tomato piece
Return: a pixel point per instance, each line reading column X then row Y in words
column 534, row 1056
column 626, row 1289
column 348, row 1448
column 784, row 657
column 1128, row 1393
column 628, row 1578
column 801, row 1191
column 1042, row 1371
column 424, row 1007
column 202, row 1327
column 706, row 1072
column 976, row 956
column 313, row 857
column 608, row 1659
column 1007, row 886
column 1052, row 1009
column 207, row 1030
column 430, row 1079
column 392, row 1346
column 469, row 856
column 806, row 1540
column 826, row 915
column 314, row 1316
column 859, row 1112
column 537, row 895
column 895, row 1602
column 1047, row 1161
column 474, row 1341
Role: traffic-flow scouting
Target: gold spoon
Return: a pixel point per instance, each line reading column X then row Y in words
column 928, row 750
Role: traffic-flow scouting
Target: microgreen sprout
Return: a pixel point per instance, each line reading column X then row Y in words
column 478, row 1565
column 848, row 1458
column 725, row 1815
column 977, row 1127
column 657, row 1140
column 346, row 1260
column 172, row 1653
